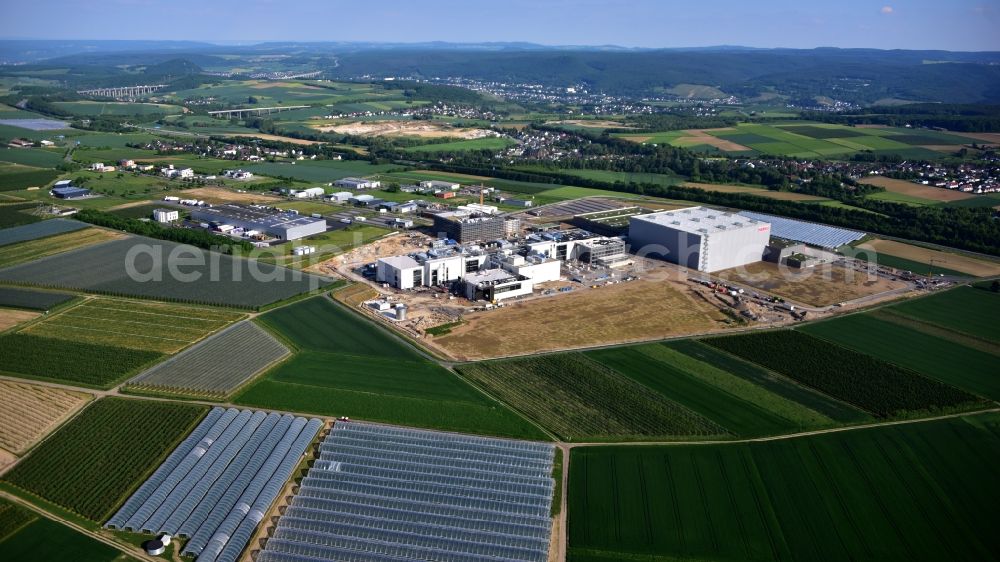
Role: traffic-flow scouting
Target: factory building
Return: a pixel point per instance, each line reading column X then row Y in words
column 442, row 185
column 699, row 238
column 278, row 224
column 495, row 285
column 166, row 215
column 427, row 269
column 357, row 183
column 466, row 228
column 576, row 244
column 309, row 193
column 534, row 267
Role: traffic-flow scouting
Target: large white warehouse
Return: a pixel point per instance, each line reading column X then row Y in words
column 699, row 238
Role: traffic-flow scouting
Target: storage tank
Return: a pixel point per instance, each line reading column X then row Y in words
column 400, row 311
column 155, row 547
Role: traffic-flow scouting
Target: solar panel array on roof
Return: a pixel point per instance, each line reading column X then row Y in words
column 810, row 233
column 380, row 493
column 218, row 483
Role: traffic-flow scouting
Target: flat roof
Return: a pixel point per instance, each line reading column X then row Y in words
column 489, row 276
column 400, row 262
column 699, row 220
column 264, row 217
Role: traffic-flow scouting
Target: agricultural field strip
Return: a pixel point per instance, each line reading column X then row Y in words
column 734, row 402
column 38, row 230
column 218, row 365
column 879, row 387
column 32, row 300
column 234, row 458
column 70, row 361
column 103, row 453
column 887, row 492
column 31, row 250
column 410, row 494
column 101, row 268
column 579, row 398
column 164, row 323
column 28, row 412
column 955, row 364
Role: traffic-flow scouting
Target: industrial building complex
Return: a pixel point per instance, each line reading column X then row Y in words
column 279, row 224
column 700, row 238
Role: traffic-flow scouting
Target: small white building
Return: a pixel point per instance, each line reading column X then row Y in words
column 166, row 215
column 341, row 196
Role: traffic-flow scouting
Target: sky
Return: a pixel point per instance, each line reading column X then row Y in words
column 960, row 25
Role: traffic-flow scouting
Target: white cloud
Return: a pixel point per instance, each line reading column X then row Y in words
column 886, row 10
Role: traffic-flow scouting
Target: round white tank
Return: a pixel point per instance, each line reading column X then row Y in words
column 400, row 311
column 155, row 547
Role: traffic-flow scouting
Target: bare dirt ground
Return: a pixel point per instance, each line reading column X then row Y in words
column 993, row 138
column 916, row 190
column 701, row 136
column 6, row 459
column 777, row 195
column 957, row 262
column 819, row 286
column 217, row 195
column 426, row 129
column 265, row 136
column 660, row 305
column 28, row 412
column 10, row 317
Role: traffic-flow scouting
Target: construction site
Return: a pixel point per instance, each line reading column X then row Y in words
column 511, row 287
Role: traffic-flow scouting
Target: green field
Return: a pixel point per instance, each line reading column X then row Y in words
column 580, row 399
column 971, row 369
column 803, row 139
column 17, row 214
column 876, row 386
column 145, row 325
column 322, row 171
column 923, row 491
column 742, row 407
column 102, row 455
column 95, row 108
column 15, row 177
column 964, row 309
column 25, row 535
column 624, row 177
column 70, row 361
column 487, row 143
column 772, row 382
column 346, row 366
column 40, row 157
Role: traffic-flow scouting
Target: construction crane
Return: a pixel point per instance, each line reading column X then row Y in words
column 930, row 272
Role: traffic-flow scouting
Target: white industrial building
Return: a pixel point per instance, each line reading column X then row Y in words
column 166, row 215
column 341, row 196
column 442, row 185
column 310, row 193
column 495, row 285
column 357, row 183
column 699, row 238
column 276, row 223
column 536, row 268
